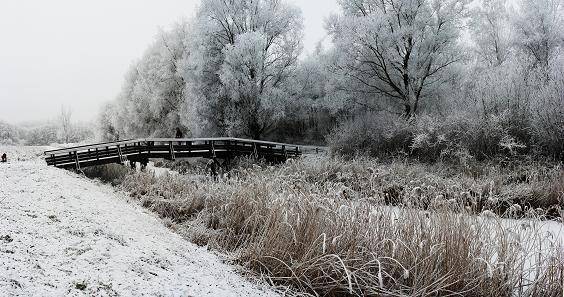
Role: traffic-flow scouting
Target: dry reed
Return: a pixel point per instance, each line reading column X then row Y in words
column 322, row 228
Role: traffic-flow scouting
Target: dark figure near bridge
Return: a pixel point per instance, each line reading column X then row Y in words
column 179, row 133
column 4, row 158
column 214, row 166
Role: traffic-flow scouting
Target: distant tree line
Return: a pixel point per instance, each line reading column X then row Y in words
column 60, row 130
column 433, row 79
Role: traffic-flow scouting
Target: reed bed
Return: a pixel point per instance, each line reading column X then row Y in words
column 323, row 228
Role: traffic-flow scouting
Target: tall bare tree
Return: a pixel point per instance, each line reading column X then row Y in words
column 539, row 28
column 395, row 50
column 65, row 118
column 489, row 26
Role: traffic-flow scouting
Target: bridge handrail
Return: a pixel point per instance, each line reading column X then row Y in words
column 220, row 139
column 145, row 140
column 89, row 146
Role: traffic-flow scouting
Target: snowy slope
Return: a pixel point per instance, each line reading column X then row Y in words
column 61, row 234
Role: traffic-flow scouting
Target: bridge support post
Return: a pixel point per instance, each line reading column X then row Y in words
column 171, row 151
column 76, row 161
column 212, row 149
column 255, row 151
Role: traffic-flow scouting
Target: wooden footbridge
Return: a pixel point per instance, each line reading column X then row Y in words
column 141, row 150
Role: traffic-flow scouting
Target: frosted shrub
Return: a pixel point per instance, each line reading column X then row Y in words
column 490, row 136
column 548, row 117
column 374, row 134
column 436, row 139
column 429, row 138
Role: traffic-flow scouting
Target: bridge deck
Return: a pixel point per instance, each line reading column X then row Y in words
column 140, row 150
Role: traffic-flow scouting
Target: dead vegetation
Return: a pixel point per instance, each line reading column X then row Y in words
column 110, row 173
column 330, row 227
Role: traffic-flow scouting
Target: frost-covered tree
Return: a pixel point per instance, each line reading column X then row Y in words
column 9, row 134
column 153, row 93
column 245, row 53
column 307, row 115
column 107, row 126
column 539, row 30
column 42, row 134
column 396, row 51
column 65, row 117
column 547, row 111
column 489, row 27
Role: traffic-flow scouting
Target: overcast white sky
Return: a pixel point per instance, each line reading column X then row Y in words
column 75, row 53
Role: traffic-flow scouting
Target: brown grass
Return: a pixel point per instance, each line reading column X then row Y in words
column 322, row 228
column 110, row 173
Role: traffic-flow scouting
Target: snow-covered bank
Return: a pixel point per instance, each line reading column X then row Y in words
column 61, row 234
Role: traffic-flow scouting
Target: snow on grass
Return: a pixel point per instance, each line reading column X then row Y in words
column 61, row 234
column 325, row 228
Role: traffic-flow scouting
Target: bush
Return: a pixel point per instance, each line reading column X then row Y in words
column 371, row 134
column 547, row 115
column 457, row 137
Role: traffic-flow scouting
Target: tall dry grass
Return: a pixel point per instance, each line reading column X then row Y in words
column 113, row 174
column 322, row 228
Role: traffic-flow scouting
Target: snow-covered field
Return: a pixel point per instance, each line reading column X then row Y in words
column 61, row 234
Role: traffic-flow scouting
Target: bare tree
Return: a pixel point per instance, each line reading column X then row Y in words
column 489, row 26
column 539, row 28
column 396, row 49
column 65, row 122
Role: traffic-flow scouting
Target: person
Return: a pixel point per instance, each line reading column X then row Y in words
column 179, row 133
column 4, row 158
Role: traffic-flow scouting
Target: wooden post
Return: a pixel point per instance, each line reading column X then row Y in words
column 171, row 150
column 229, row 149
column 119, row 153
column 255, row 151
column 77, row 163
column 212, row 149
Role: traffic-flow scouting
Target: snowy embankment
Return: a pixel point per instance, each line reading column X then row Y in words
column 61, row 234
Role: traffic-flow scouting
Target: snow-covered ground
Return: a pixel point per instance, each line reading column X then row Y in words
column 61, row 234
